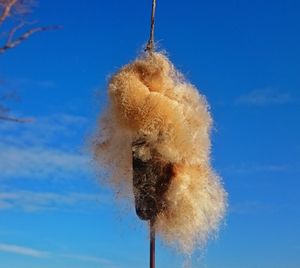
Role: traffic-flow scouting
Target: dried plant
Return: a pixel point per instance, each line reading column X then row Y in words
column 154, row 139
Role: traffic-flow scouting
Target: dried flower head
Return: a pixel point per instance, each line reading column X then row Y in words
column 155, row 140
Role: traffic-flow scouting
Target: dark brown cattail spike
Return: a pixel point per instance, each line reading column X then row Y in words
column 151, row 179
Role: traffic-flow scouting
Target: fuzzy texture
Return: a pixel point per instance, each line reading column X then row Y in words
column 149, row 99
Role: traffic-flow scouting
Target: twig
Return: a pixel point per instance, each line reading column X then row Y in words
column 13, row 43
column 6, row 10
column 15, row 119
column 150, row 44
column 12, row 32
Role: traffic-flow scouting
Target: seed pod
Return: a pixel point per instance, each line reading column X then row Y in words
column 151, row 179
column 155, row 140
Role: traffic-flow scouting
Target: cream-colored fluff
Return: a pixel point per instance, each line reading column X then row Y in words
column 149, row 99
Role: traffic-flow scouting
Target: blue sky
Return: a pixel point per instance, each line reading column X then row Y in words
column 243, row 55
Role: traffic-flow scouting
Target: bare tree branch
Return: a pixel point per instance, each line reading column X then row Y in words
column 7, row 6
column 16, row 8
column 12, row 32
column 12, row 20
column 15, row 119
column 13, row 43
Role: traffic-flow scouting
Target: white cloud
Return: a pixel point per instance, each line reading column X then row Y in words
column 4, row 205
column 15, row 249
column 40, row 162
column 86, row 258
column 254, row 168
column 48, row 147
column 35, row 253
column 30, row 201
column 247, row 207
column 21, row 83
column 52, row 130
column 265, row 96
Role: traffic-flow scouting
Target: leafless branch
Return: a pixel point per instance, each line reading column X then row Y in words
column 15, row 119
column 26, row 35
column 7, row 7
column 12, row 12
column 12, row 32
column 10, row 95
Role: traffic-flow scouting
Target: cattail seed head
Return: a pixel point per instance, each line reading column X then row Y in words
column 168, row 174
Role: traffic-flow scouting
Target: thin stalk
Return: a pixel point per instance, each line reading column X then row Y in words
column 152, row 244
column 150, row 44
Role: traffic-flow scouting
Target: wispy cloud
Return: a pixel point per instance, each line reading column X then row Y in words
column 40, row 162
column 258, row 168
column 21, row 83
column 20, row 250
column 57, row 130
column 30, row 201
column 35, row 253
column 4, row 205
column 86, row 258
column 265, row 96
column 247, row 207
column 45, row 148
